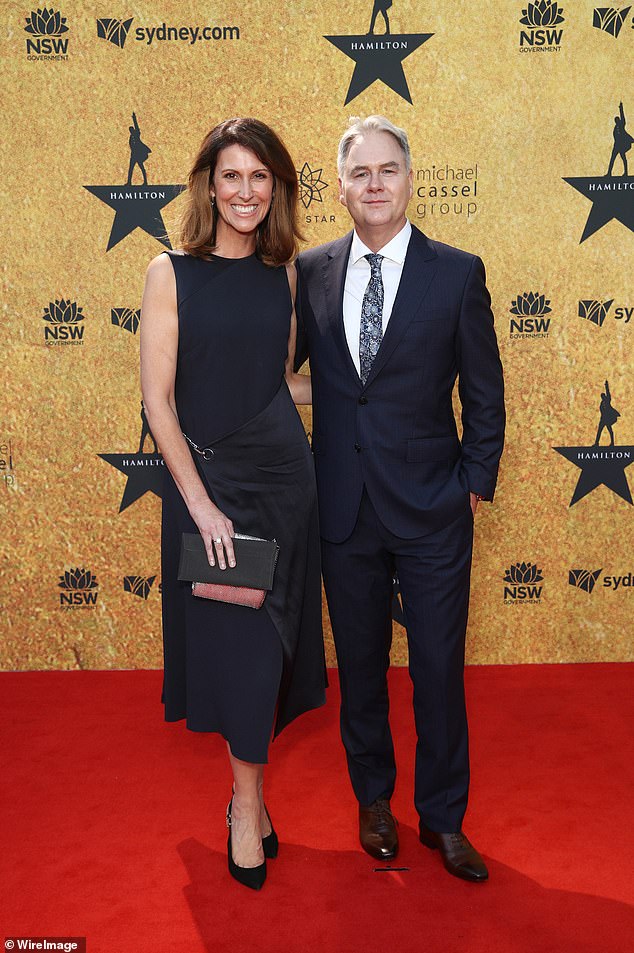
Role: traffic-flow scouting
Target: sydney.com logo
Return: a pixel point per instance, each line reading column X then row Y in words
column 115, row 30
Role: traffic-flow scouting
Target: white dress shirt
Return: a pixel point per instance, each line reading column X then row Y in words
column 358, row 276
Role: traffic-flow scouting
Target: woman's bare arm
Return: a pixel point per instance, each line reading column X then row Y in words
column 298, row 384
column 159, row 348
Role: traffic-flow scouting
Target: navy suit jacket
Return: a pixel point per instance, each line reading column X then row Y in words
column 397, row 433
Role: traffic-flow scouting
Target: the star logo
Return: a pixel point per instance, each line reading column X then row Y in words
column 144, row 471
column 601, row 465
column 136, row 206
column 612, row 196
column 379, row 57
column 311, row 185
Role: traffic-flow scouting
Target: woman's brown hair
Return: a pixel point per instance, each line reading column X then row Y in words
column 278, row 235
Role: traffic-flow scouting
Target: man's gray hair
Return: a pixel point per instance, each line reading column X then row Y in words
column 359, row 126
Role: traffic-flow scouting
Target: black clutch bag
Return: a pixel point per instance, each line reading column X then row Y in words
column 254, row 570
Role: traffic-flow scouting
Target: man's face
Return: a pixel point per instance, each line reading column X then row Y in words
column 375, row 186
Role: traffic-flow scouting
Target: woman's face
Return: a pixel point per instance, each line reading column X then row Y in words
column 242, row 187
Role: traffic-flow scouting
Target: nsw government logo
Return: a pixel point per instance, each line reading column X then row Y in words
column 530, row 321
column 144, row 470
column 47, row 39
column 612, row 196
column 522, row 584
column 63, row 323
column 379, row 57
column 136, row 206
column 601, row 465
column 540, row 22
column 79, row 589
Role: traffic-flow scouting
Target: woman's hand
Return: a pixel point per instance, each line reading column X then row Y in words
column 216, row 531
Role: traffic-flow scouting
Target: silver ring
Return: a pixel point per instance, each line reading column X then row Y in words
column 219, row 540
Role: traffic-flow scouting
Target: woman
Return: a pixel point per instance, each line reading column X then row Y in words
column 218, row 334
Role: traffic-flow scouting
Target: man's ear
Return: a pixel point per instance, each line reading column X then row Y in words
column 410, row 176
column 342, row 197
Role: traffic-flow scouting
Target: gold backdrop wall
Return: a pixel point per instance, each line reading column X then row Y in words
column 508, row 100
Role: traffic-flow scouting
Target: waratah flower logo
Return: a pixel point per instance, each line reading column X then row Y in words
column 138, row 585
column 595, row 311
column 522, row 573
column 63, row 312
column 583, row 578
column 46, row 23
column 311, row 185
column 114, row 30
column 542, row 13
column 126, row 318
column 78, row 579
column 530, row 304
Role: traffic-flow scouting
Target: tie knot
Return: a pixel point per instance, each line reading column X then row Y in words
column 375, row 264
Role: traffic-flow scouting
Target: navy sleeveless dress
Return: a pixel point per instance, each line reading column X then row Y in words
column 245, row 673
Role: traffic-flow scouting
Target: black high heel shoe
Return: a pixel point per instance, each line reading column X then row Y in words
column 252, row 877
column 270, row 843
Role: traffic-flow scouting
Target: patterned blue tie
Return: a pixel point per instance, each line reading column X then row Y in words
column 371, row 331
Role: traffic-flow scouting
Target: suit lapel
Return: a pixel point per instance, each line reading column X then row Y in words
column 419, row 269
column 335, row 266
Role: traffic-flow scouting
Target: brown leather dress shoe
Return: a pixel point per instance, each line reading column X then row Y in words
column 377, row 830
column 459, row 856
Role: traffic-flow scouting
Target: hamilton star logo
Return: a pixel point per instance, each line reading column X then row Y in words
column 137, row 206
column 601, row 465
column 379, row 57
column 143, row 470
column 611, row 196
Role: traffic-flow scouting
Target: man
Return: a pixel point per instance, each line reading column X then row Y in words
column 622, row 141
column 390, row 320
column 380, row 6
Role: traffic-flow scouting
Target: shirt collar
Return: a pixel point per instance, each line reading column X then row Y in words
column 395, row 250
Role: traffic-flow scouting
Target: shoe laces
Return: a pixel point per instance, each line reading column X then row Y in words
column 458, row 840
column 382, row 811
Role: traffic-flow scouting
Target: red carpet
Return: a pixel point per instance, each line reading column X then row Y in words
column 113, row 824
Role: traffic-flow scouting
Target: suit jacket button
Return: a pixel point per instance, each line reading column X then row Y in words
column 363, row 400
column 357, row 448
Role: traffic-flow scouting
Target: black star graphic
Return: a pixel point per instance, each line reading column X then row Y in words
column 144, row 471
column 611, row 197
column 136, row 206
column 600, row 466
column 379, row 58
